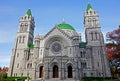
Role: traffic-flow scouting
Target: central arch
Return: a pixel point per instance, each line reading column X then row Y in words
column 55, row 71
column 70, row 75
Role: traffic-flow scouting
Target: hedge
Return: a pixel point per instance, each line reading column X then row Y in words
column 14, row 78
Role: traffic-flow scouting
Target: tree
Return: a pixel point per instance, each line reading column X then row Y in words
column 3, row 73
column 5, row 69
column 113, row 47
column 0, row 68
column 113, row 51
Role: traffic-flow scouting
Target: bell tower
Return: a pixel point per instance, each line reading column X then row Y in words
column 23, row 39
column 93, row 32
column 95, row 40
column 25, row 33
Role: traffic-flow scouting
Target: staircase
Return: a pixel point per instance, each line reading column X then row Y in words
column 56, row 79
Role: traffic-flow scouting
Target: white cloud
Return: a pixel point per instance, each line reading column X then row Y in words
column 104, row 35
column 4, row 61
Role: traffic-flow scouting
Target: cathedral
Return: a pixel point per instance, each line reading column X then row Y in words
column 60, row 54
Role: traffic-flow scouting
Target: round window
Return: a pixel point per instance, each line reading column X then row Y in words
column 56, row 47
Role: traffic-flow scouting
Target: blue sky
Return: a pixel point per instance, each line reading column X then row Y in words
column 48, row 13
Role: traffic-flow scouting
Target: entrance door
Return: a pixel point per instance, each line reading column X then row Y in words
column 70, row 72
column 41, row 72
column 55, row 71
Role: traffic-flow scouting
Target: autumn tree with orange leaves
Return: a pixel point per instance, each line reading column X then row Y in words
column 113, row 47
column 113, row 51
column 3, row 73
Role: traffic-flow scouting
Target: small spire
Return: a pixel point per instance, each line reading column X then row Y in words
column 29, row 12
column 63, row 21
column 88, row 7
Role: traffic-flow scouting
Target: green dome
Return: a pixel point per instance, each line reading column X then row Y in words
column 65, row 26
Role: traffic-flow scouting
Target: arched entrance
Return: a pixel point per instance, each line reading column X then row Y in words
column 55, row 71
column 41, row 72
column 70, row 72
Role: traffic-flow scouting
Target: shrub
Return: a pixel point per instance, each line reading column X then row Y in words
column 93, row 79
column 13, row 78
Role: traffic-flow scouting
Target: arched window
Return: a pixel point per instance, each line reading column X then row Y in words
column 38, row 42
column 29, row 65
column 89, row 22
column 92, row 36
column 17, row 54
column 90, row 12
column 20, row 39
column 98, row 64
column 18, row 65
column 41, row 51
column 83, row 65
column 23, row 40
column 91, row 74
column 94, row 22
column 96, row 35
column 21, row 74
column 16, row 74
column 84, row 74
column 26, row 24
column 70, row 50
column 84, row 54
column 21, row 25
column 81, row 54
column 25, row 17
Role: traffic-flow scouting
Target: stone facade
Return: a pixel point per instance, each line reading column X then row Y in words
column 60, row 53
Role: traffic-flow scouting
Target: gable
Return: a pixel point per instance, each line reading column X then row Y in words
column 56, row 31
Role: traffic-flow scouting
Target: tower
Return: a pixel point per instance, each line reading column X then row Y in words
column 95, row 40
column 92, row 27
column 23, row 39
column 26, row 30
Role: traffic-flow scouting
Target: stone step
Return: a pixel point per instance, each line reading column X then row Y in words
column 56, row 79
